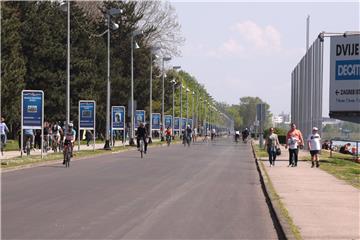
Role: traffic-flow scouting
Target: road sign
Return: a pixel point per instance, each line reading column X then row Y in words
column 118, row 117
column 168, row 121
column 87, row 114
column 176, row 123
column 139, row 117
column 156, row 121
column 32, row 110
column 344, row 92
column 32, row 114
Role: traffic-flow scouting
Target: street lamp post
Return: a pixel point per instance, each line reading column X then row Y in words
column 180, row 121
column 181, row 107
column 110, row 13
column 150, row 103
column 187, row 104
column 65, row 7
column 192, row 111
column 132, row 130
column 173, row 104
column 163, row 96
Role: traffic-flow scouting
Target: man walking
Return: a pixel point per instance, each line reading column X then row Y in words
column 314, row 145
column 295, row 133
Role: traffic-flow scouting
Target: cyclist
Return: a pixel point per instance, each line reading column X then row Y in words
column 213, row 134
column 56, row 133
column 69, row 138
column 237, row 136
column 141, row 134
column 188, row 135
column 168, row 134
column 245, row 134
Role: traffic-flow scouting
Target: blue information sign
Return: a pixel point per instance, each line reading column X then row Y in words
column 32, row 109
column 168, row 121
column 156, row 121
column 176, row 123
column 86, row 114
column 139, row 117
column 183, row 126
column 190, row 122
column 118, row 117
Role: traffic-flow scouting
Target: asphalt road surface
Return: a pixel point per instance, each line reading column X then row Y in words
column 207, row 191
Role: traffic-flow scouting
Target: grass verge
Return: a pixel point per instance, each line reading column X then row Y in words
column 340, row 166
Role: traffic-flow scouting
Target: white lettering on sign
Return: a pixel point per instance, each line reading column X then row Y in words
column 349, row 70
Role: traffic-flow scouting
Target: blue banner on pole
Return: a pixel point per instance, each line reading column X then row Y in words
column 183, row 125
column 168, row 121
column 190, row 123
column 176, row 123
column 139, row 117
column 32, row 109
column 156, row 121
column 118, row 117
column 87, row 114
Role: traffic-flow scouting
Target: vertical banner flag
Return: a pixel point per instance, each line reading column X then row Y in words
column 118, row 117
column 168, row 121
column 139, row 117
column 32, row 109
column 86, row 114
column 156, row 121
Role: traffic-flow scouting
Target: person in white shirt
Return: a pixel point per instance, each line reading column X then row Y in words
column 292, row 142
column 314, row 146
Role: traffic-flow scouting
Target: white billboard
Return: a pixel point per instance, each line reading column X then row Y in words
column 344, row 75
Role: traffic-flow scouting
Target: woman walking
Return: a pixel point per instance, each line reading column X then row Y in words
column 271, row 144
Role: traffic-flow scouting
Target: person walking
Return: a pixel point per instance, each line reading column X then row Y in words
column 314, row 146
column 3, row 131
column 295, row 133
column 271, row 144
column 293, row 148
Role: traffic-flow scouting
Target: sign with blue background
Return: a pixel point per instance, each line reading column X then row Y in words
column 32, row 112
column 156, row 121
column 176, row 123
column 118, row 117
column 139, row 117
column 190, row 122
column 183, row 125
column 168, row 121
column 86, row 114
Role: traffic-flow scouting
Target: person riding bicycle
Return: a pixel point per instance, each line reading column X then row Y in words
column 141, row 134
column 168, row 134
column 188, row 135
column 56, row 132
column 237, row 136
column 245, row 134
column 69, row 138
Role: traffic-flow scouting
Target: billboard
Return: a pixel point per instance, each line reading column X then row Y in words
column 32, row 109
column 156, row 121
column 139, row 117
column 183, row 125
column 176, row 123
column 118, row 117
column 86, row 114
column 345, row 77
column 168, row 121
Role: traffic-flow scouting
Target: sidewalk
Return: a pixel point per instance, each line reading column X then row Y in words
column 321, row 206
column 14, row 154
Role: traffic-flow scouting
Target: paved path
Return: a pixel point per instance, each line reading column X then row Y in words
column 322, row 206
column 202, row 192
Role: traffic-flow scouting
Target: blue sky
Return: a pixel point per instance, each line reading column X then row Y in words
column 241, row 49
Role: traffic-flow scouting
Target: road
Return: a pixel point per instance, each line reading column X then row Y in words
column 207, row 191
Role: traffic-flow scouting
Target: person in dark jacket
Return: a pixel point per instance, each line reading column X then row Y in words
column 141, row 134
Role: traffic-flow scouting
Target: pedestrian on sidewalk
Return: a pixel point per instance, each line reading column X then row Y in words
column 3, row 131
column 314, row 146
column 300, row 143
column 271, row 144
column 293, row 148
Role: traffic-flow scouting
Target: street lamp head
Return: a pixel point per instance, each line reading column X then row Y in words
column 63, row 5
column 137, row 33
column 166, row 58
column 187, row 90
column 173, row 81
column 193, row 93
column 136, row 46
column 176, row 67
column 114, row 11
column 114, row 25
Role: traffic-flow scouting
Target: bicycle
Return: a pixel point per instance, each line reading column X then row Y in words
column 142, row 146
column 67, row 154
column 168, row 140
column 55, row 143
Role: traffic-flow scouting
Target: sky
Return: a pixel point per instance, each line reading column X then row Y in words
column 239, row 49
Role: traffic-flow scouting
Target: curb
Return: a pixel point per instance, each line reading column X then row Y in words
column 282, row 227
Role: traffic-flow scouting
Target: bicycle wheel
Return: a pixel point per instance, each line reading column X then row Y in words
column 67, row 159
